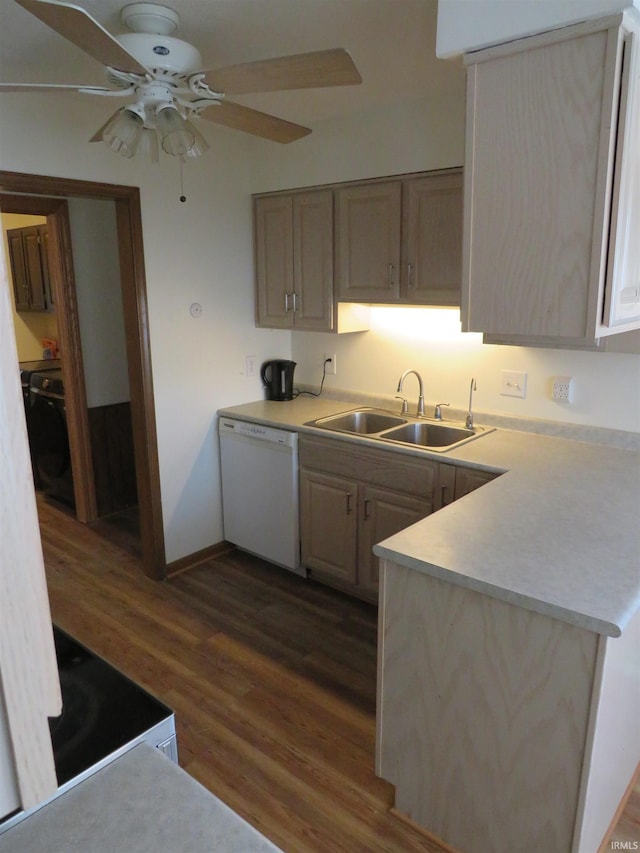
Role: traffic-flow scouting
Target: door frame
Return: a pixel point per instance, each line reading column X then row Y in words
column 46, row 195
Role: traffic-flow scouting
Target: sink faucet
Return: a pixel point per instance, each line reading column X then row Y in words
column 420, row 411
column 437, row 412
column 469, row 419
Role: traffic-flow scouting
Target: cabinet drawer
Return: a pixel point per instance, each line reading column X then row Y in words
column 384, row 468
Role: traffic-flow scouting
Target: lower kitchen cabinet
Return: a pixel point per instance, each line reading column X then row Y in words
column 328, row 532
column 454, row 482
column 382, row 513
column 352, row 497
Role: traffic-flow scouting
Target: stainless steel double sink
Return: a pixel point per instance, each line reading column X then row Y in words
column 400, row 429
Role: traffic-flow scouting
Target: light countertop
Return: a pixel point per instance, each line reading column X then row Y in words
column 140, row 803
column 558, row 533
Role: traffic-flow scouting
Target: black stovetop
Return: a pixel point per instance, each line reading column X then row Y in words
column 102, row 709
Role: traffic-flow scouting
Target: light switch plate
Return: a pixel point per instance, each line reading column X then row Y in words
column 513, row 383
column 250, row 366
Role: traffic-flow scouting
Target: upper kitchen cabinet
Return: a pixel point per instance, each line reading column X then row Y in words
column 30, row 268
column 432, row 244
column 368, row 235
column 399, row 241
column 551, row 252
column 294, row 260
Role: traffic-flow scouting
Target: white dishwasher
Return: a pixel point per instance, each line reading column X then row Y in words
column 259, row 467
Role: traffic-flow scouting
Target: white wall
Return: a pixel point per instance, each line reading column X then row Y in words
column 96, row 269
column 200, row 251
column 407, row 138
column 465, row 25
column 606, row 385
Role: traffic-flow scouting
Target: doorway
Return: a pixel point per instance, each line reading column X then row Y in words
column 44, row 195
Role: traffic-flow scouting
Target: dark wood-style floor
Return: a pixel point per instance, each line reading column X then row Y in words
column 271, row 677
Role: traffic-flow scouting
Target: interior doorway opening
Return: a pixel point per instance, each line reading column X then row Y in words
column 50, row 197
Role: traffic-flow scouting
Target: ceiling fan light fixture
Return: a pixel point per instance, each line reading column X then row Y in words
column 123, row 132
column 200, row 145
column 177, row 136
column 149, row 144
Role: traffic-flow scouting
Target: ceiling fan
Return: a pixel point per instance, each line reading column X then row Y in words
column 161, row 77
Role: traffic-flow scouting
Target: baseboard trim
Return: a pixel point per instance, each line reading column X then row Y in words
column 177, row 567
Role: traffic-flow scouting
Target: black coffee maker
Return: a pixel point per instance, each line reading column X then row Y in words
column 277, row 378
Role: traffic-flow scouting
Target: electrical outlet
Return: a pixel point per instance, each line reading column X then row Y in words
column 331, row 367
column 562, row 388
column 513, row 383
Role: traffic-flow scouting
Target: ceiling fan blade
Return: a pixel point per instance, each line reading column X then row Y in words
column 254, row 122
column 51, row 87
column 301, row 71
column 78, row 27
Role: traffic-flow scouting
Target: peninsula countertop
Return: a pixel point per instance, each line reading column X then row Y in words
column 558, row 533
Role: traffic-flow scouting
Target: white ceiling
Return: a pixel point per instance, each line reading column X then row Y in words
column 391, row 41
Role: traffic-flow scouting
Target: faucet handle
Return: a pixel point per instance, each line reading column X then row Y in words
column 437, row 413
column 405, row 405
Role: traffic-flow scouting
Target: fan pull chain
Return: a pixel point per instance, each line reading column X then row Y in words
column 183, row 197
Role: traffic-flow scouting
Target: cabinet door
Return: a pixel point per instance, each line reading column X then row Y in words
column 274, row 261
column 622, row 304
column 382, row 513
column 432, row 265
column 368, row 235
column 536, row 176
column 18, row 269
column 49, row 298
column 313, row 260
column 328, row 525
column 33, row 261
column 468, row 479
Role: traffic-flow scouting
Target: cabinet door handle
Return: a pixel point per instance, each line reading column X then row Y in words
column 349, row 496
column 410, row 275
column 286, row 303
column 444, row 494
column 366, row 508
column 391, row 272
column 295, row 301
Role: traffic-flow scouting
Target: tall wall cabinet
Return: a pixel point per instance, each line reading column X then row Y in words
column 552, row 185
